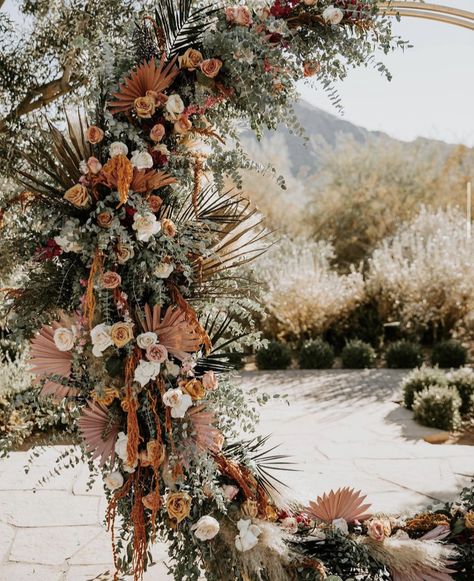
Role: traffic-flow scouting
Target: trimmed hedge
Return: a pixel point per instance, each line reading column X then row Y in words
column 316, row 354
column 438, row 407
column 418, row 380
column 358, row 355
column 404, row 355
column 274, row 356
column 449, row 354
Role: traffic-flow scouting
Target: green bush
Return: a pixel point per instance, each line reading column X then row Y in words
column 274, row 356
column 463, row 380
column 236, row 359
column 438, row 407
column 418, row 380
column 448, row 354
column 358, row 355
column 404, row 355
column 316, row 354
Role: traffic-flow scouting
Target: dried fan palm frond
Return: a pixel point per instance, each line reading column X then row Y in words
column 53, row 165
column 148, row 181
column 343, row 503
column 147, row 77
column 47, row 361
column 174, row 331
column 203, row 434
column 99, row 430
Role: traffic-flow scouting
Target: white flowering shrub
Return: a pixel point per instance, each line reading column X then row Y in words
column 305, row 295
column 423, row 277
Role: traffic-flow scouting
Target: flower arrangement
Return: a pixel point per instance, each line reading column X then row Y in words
column 135, row 279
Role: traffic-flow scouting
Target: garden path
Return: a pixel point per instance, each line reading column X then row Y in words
column 341, row 427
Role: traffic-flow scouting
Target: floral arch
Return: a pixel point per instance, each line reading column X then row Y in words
column 137, row 273
column 429, row 11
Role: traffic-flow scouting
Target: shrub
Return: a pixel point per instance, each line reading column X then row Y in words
column 404, row 355
column 358, row 355
column 236, row 359
column 274, row 356
column 438, row 407
column 448, row 354
column 418, row 380
column 316, row 354
column 463, row 380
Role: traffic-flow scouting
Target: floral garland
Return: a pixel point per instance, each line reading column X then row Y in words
column 138, row 270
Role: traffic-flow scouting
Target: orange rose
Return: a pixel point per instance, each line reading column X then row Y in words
column 211, row 67
column 94, row 134
column 154, row 454
column 121, row 334
column 111, row 280
column 182, row 125
column 168, row 227
column 190, row 60
column 154, row 202
column 145, row 107
column 157, row 132
column 194, row 388
column 311, row 68
column 104, row 219
column 78, row 196
column 178, row 506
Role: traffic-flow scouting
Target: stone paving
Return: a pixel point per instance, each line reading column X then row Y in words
column 341, row 428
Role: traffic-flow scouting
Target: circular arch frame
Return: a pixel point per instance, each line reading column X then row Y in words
column 428, row 11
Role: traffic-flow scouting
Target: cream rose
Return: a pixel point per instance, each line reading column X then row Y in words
column 145, row 340
column 145, row 225
column 94, row 134
column 376, row 530
column 124, row 252
column 141, row 159
column 239, row 15
column 64, row 339
column 211, row 67
column 164, row 269
column 206, row 528
column 121, row 334
column 118, row 148
column 145, row 107
column 101, row 339
column 168, row 227
column 248, row 535
column 310, row 2
column 174, row 107
column 178, row 401
column 78, row 196
column 157, row 353
column 121, row 446
column 111, row 280
column 333, row 15
column 182, row 125
column 210, row 380
column 162, row 149
column 190, row 59
column 157, row 132
column 146, row 371
column 113, row 481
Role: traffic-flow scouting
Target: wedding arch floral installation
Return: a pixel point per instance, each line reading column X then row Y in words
column 137, row 275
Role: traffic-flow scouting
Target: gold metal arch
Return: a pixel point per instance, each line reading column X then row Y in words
column 446, row 14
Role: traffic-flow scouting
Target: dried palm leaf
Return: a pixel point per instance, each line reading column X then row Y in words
column 174, row 331
column 147, row 77
column 47, row 361
column 203, row 434
column 343, row 503
column 99, row 430
column 148, row 181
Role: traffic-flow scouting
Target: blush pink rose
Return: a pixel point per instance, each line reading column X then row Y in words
column 239, row 15
column 230, row 491
column 94, row 165
column 376, row 530
column 111, row 280
column 210, row 380
column 157, row 353
column 157, row 132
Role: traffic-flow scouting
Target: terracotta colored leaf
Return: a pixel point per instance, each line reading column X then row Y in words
column 46, row 359
column 344, row 503
column 148, row 181
column 99, row 431
column 203, row 433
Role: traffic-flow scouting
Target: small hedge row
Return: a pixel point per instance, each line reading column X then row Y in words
column 440, row 400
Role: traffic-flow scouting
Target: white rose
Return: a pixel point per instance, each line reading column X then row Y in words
column 289, row 525
column 145, row 340
column 172, row 368
column 174, row 107
column 145, row 371
column 128, row 467
column 146, row 225
column 248, row 535
column 178, row 401
column 113, row 480
column 340, row 525
column 67, row 245
column 163, row 270
column 141, row 159
column 333, row 15
column 101, row 339
column 83, row 167
column 206, row 528
column 117, row 148
column 121, row 446
column 64, row 339
column 163, row 149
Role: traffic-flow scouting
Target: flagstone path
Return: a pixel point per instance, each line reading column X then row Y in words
column 341, row 428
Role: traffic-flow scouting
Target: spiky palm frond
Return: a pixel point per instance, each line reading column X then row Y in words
column 263, row 461
column 99, row 429
column 182, row 26
column 345, row 503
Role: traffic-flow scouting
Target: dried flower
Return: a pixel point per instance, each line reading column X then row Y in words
column 469, row 520
column 157, row 353
column 211, row 67
column 94, row 134
column 206, row 528
column 190, row 59
column 157, row 132
column 230, row 491
column 311, row 68
column 104, row 219
column 144, row 107
column 118, row 148
column 238, row 15
column 113, row 481
column 194, row 388
column 154, row 203
column 152, row 501
column 182, row 125
column 178, row 505
column 178, row 401
column 78, row 196
column 168, row 227
column 249, row 508
column 124, row 252
column 210, row 380
column 121, row 334
column 111, row 280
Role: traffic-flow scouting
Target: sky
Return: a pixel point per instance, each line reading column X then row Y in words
column 432, row 91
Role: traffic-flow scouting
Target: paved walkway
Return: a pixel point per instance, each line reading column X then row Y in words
column 342, row 428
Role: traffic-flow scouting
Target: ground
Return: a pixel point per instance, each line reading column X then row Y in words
column 341, row 428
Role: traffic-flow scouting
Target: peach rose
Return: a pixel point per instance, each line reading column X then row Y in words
column 210, row 380
column 154, row 455
column 211, row 67
column 178, row 506
column 310, row 2
column 194, row 388
column 104, row 219
column 230, row 491
column 469, row 520
column 124, row 252
column 377, row 530
column 121, row 334
column 157, row 132
column 78, row 196
column 145, row 107
column 168, row 227
column 94, row 165
column 311, row 68
column 157, row 353
column 154, row 202
column 182, row 125
column 190, row 59
column 152, row 501
column 94, row 134
column 239, row 15
column 111, row 280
